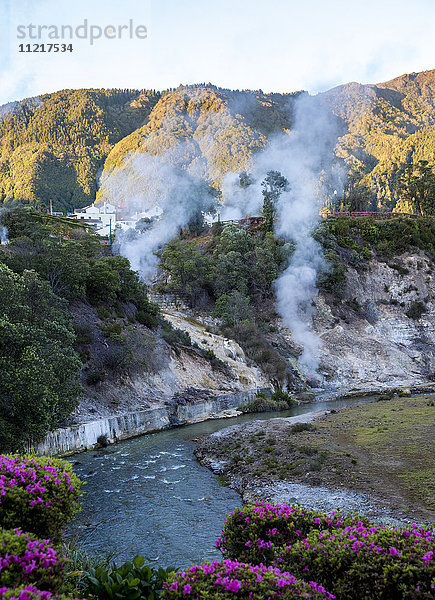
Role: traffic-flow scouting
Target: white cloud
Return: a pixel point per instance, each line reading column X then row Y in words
column 279, row 45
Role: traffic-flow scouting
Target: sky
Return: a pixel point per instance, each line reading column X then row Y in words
column 273, row 45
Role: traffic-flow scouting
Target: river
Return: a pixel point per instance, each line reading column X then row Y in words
column 150, row 496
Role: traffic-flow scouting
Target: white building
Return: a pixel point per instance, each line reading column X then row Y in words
column 101, row 216
column 105, row 217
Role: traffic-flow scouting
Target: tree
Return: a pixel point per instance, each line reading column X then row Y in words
column 39, row 383
column 416, row 184
column 188, row 269
column 273, row 185
column 356, row 196
column 232, row 308
column 245, row 180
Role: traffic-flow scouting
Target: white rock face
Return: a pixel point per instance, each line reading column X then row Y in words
column 378, row 345
column 225, row 349
column 183, row 370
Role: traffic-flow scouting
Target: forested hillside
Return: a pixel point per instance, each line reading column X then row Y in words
column 385, row 127
column 54, row 147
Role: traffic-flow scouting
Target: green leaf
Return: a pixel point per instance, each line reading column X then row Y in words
column 138, row 561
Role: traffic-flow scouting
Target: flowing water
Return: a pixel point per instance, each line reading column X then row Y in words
column 150, row 496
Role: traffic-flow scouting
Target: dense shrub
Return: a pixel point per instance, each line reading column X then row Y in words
column 415, row 310
column 278, row 401
column 38, row 365
column 258, row 349
column 257, row 532
column 37, row 494
column 333, row 279
column 263, row 404
column 25, row 559
column 128, row 581
column 388, row 238
column 174, row 336
column 30, row 592
column 376, row 562
column 299, row 427
column 148, row 319
column 230, row 579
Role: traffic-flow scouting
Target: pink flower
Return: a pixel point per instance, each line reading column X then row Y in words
column 234, row 586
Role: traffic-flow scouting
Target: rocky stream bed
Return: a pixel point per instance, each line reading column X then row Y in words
column 377, row 459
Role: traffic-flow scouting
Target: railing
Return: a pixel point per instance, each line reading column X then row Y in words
column 379, row 216
column 249, row 221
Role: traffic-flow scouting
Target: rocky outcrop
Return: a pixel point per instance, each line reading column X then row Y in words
column 368, row 340
column 183, row 410
column 179, row 369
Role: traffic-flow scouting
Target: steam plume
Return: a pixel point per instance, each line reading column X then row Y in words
column 309, row 154
column 3, row 235
column 302, row 156
column 147, row 181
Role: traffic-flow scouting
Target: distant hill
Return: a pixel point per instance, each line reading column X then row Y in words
column 385, row 126
column 55, row 146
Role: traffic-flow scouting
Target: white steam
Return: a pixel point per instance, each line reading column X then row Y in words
column 3, row 235
column 154, row 181
column 304, row 157
column 174, row 182
column 310, row 155
column 238, row 201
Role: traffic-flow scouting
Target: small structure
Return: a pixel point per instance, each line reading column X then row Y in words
column 101, row 216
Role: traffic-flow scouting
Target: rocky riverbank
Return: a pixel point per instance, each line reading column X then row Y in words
column 376, row 459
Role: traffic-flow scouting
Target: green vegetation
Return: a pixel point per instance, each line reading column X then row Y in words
column 38, row 494
column 387, row 127
column 382, row 448
column 128, row 581
column 279, row 400
column 353, row 241
column 273, row 186
column 221, row 128
column 417, row 186
column 232, row 261
column 52, row 147
column 345, row 561
column 416, row 310
column 298, row 427
column 235, row 269
column 387, row 238
column 397, row 432
column 39, row 383
column 277, row 527
column 46, row 266
column 34, row 566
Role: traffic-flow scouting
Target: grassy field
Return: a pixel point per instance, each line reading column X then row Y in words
column 385, row 449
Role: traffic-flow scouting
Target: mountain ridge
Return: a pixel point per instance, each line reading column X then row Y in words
column 55, row 146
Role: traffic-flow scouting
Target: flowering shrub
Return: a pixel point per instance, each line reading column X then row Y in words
column 258, row 532
column 231, row 579
column 374, row 562
column 25, row 559
column 37, row 494
column 30, row 592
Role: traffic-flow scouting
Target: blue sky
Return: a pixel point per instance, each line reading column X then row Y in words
column 275, row 45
